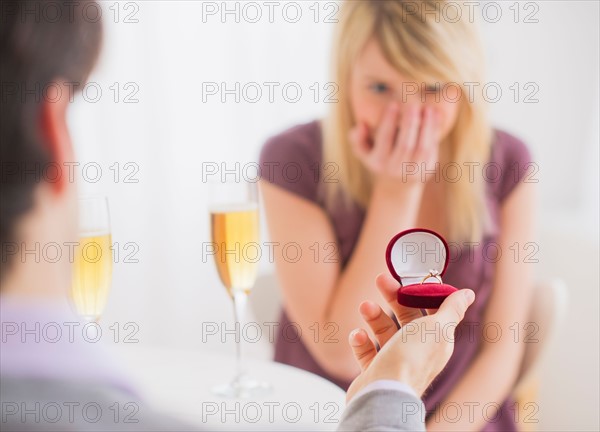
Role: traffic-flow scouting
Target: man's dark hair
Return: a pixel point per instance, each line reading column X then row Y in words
column 41, row 43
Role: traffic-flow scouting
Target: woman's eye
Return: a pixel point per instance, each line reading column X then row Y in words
column 379, row 88
column 432, row 88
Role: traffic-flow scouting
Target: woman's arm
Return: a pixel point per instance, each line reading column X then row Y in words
column 492, row 375
column 320, row 292
column 315, row 289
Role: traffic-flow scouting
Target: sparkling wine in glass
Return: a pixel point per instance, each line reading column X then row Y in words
column 93, row 260
column 234, row 232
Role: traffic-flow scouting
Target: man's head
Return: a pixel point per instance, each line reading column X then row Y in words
column 48, row 50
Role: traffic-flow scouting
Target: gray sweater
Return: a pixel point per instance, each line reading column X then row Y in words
column 33, row 404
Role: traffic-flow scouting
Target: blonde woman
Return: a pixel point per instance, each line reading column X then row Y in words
column 410, row 111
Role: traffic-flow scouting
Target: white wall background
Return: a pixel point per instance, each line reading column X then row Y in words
column 170, row 52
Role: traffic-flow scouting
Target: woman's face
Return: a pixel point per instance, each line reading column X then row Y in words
column 375, row 84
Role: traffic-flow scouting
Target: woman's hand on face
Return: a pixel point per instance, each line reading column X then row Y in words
column 401, row 148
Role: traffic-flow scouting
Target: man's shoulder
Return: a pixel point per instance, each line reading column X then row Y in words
column 42, row 404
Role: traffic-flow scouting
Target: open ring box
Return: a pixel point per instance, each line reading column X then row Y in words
column 417, row 258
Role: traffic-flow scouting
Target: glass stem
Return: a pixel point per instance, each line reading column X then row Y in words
column 239, row 307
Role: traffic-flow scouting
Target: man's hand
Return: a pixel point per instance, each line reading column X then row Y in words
column 410, row 354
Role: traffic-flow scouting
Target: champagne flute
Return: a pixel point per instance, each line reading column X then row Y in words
column 234, row 232
column 92, row 271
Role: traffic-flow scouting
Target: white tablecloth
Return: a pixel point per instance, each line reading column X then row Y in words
column 178, row 383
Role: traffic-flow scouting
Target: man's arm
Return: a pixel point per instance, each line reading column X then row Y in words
column 385, row 396
column 384, row 409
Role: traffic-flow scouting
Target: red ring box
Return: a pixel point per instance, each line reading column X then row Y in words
column 412, row 256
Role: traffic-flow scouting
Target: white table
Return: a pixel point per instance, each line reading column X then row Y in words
column 178, row 382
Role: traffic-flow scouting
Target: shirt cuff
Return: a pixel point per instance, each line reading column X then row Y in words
column 385, row 385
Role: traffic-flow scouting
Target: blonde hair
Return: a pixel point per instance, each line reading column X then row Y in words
column 427, row 50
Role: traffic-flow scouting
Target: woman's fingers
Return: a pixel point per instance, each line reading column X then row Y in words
column 362, row 346
column 407, row 137
column 359, row 140
column 382, row 326
column 386, row 133
column 388, row 287
column 427, row 140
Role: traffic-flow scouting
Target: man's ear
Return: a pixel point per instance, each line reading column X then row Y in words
column 55, row 137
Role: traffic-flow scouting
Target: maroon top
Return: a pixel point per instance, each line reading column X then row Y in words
column 291, row 160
